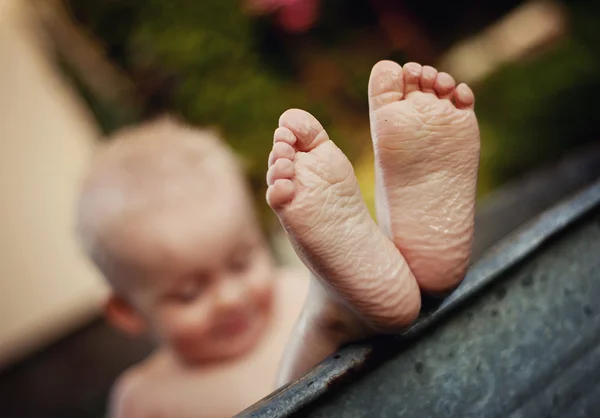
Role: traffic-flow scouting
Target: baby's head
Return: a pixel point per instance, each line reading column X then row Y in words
column 166, row 216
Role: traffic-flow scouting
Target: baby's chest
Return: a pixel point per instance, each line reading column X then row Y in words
column 220, row 396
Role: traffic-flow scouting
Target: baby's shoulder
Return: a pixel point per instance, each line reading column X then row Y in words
column 131, row 391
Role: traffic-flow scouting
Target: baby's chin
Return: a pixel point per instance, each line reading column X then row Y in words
column 236, row 342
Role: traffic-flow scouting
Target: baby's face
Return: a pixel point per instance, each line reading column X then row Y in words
column 206, row 292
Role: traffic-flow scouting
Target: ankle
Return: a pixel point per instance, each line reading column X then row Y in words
column 329, row 317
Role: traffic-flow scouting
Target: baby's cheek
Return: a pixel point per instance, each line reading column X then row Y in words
column 260, row 290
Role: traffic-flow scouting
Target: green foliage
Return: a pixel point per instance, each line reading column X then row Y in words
column 222, row 80
column 225, row 76
column 208, row 47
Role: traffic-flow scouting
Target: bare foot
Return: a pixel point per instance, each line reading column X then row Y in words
column 426, row 143
column 314, row 192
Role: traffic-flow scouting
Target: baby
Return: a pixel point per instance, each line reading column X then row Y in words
column 166, row 217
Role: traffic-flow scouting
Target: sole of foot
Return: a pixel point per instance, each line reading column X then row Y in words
column 426, row 146
column 314, row 193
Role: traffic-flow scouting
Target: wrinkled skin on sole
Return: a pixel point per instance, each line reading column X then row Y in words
column 368, row 278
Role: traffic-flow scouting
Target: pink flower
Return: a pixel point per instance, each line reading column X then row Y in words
column 292, row 15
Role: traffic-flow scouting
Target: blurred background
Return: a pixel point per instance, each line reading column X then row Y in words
column 73, row 71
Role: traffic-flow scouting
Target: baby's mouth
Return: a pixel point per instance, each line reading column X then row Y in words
column 234, row 325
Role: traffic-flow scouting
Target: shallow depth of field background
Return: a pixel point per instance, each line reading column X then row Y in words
column 74, row 71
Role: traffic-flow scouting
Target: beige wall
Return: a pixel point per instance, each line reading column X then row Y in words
column 46, row 287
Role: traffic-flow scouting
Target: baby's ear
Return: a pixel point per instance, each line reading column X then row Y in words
column 121, row 314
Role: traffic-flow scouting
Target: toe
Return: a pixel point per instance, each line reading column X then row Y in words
column 305, row 127
column 412, row 75
column 385, row 84
column 280, row 192
column 444, row 85
column 281, row 150
column 284, row 135
column 428, row 77
column 281, row 169
column 464, row 97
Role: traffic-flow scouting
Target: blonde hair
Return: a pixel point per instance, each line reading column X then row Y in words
column 144, row 166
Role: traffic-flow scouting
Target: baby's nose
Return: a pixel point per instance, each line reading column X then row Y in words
column 231, row 293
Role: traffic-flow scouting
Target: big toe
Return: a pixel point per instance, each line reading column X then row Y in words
column 307, row 129
column 386, row 84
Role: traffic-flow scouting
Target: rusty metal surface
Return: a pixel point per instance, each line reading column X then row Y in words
column 515, row 203
column 488, row 358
